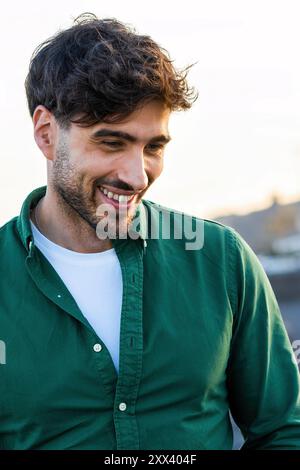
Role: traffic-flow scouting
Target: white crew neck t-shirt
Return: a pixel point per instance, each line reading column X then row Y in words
column 95, row 282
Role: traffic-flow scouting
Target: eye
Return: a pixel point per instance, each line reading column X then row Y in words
column 155, row 148
column 112, row 143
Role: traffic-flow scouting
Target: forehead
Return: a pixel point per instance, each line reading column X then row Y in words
column 146, row 122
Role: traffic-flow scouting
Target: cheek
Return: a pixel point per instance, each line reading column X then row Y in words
column 95, row 166
column 154, row 168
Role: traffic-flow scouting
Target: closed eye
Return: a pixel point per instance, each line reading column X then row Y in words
column 112, row 143
column 155, row 146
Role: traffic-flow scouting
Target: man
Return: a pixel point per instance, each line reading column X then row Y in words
column 116, row 335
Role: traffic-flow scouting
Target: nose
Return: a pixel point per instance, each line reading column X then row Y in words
column 133, row 171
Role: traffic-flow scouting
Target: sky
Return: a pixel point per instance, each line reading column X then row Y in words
column 239, row 144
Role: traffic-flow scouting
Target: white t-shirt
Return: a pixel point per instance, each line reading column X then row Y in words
column 95, row 282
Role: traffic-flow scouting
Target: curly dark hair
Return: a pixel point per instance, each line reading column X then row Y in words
column 102, row 70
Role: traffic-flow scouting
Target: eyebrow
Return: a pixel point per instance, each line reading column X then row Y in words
column 130, row 138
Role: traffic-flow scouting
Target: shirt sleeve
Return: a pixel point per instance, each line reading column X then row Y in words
column 262, row 374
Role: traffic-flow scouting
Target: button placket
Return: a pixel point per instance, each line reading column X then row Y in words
column 131, row 347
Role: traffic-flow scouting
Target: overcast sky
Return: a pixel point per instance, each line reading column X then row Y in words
column 241, row 141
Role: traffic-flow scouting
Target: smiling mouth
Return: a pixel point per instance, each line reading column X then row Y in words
column 116, row 199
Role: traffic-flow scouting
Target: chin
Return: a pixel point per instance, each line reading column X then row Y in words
column 106, row 228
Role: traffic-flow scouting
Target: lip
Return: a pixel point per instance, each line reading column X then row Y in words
column 115, row 203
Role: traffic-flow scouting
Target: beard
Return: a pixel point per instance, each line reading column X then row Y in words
column 78, row 201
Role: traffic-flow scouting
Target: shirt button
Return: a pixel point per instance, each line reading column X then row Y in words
column 97, row 347
column 122, row 406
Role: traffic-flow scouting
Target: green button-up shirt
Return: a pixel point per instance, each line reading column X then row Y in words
column 201, row 334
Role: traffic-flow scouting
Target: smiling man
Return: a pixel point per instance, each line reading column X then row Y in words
column 118, row 333
column 90, row 167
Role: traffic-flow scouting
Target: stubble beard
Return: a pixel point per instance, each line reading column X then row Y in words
column 74, row 199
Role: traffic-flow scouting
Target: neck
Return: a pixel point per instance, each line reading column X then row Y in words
column 63, row 226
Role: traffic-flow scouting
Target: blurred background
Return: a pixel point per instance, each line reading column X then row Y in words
column 234, row 157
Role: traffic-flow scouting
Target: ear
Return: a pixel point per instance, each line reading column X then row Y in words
column 45, row 131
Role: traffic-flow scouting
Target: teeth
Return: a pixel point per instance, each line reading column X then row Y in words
column 117, row 197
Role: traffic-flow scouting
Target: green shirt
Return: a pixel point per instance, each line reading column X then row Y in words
column 201, row 335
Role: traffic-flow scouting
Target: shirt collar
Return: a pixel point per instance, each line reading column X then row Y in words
column 23, row 221
column 138, row 229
